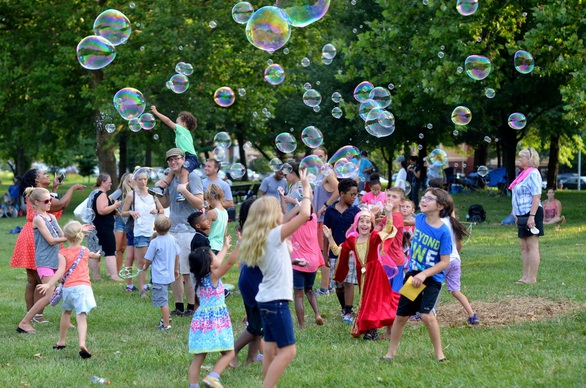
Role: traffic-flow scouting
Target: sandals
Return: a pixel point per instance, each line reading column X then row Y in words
column 59, row 347
column 39, row 318
column 371, row 335
column 85, row 354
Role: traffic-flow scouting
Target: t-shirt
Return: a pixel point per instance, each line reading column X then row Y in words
column 222, row 185
column 396, row 247
column 143, row 226
column 339, row 223
column 454, row 255
column 218, row 229
column 275, row 265
column 80, row 275
column 427, row 245
column 401, row 176
column 305, row 246
column 179, row 211
column 162, row 252
column 200, row 239
column 183, row 139
column 371, row 199
column 271, row 186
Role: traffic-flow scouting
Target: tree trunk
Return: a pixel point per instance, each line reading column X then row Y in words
column 123, row 153
column 553, row 164
column 21, row 166
column 105, row 153
column 148, row 156
column 509, row 144
column 242, row 153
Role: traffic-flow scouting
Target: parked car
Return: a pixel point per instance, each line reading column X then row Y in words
column 572, row 183
column 563, row 177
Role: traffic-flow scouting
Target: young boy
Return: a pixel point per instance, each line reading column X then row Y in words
column 163, row 258
column 339, row 217
column 186, row 123
column 202, row 225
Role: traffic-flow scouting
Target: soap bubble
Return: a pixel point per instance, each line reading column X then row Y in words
column 147, row 121
column 275, row 164
column 380, row 123
column 477, row 67
column 482, row 171
column 487, row 139
column 337, row 113
column 366, row 107
column 184, row 68
column 242, row 11
column 134, row 125
column 455, row 132
column 440, row 54
column 95, row 52
column 517, row 121
column 110, row 128
column 362, row 91
column 312, row 137
column 286, row 168
column 316, row 108
column 114, row 26
column 326, row 61
column 466, row 7
column 307, row 86
column 129, row 103
column 301, row 13
column 429, row 125
column 242, row 92
column 347, row 152
column 421, row 135
column 459, row 70
column 213, row 24
column 87, row 215
column 311, row 98
column 222, row 140
column 219, row 154
column 313, row 165
column 179, row 83
column 150, row 173
column 305, row 62
column 156, row 137
column 381, row 96
column 524, row 62
column 237, row 170
column 406, row 186
column 274, row 74
column 268, row 29
column 328, row 51
column 286, row 142
column 224, row 97
column 344, row 168
column 489, row 93
column 391, row 86
column 336, row 97
column 461, row 115
column 438, row 157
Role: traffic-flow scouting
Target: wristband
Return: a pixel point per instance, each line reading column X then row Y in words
column 302, row 198
column 531, row 215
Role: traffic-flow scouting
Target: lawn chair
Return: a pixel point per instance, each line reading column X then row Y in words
column 498, row 180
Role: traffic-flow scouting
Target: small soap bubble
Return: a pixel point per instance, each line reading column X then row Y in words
column 129, row 103
column 421, row 136
column 141, row 48
column 326, row 61
column 213, row 24
column 242, row 12
column 438, row 157
column 219, row 154
column 460, row 69
column 455, row 132
column 440, row 54
column 478, row 67
column 241, row 92
column 425, row 2
column 328, row 51
column 147, row 121
column 313, row 166
column 442, row 47
column 132, row 5
column 482, row 170
column 179, row 83
column 247, row 145
column 479, row 39
column 305, row 62
column 344, row 168
column 156, row 137
column 312, row 137
column 307, row 86
column 391, row 86
column 336, row 97
column 381, row 96
column 461, row 115
column 524, row 63
column 354, row 30
column 517, row 121
column 275, row 164
column 406, row 186
column 337, row 113
column 180, row 48
column 312, row 98
column 316, row 108
column 362, row 91
column 466, row 7
column 237, row 170
column 487, row 139
column 134, row 125
column 224, row 96
column 489, row 93
column 285, row 51
column 429, row 125
column 110, row 128
column 274, row 74
column 419, row 147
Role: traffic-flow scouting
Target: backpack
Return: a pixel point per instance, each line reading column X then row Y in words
column 476, row 213
column 374, row 167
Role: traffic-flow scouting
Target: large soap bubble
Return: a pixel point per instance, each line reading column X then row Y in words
column 87, row 215
column 268, row 29
column 406, row 186
column 129, row 102
column 380, row 122
column 95, row 52
column 224, row 96
column 286, row 142
column 311, row 98
column 313, row 165
column 366, row 107
column 113, row 25
column 381, row 96
column 344, row 168
column 312, row 137
column 222, row 140
column 242, row 12
column 147, row 121
column 274, row 74
column 438, row 157
column 275, row 164
column 362, row 91
column 219, row 154
column 524, row 62
column 461, row 115
column 466, row 7
column 134, row 125
column 477, row 67
column 179, row 83
column 517, row 121
column 301, row 13
column 348, row 152
column 237, row 170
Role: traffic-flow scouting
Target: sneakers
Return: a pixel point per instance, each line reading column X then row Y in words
column 348, row 318
column 162, row 327
column 188, row 313
column 156, row 191
column 177, row 313
column 180, row 198
column 212, row 382
column 473, row 320
column 161, row 321
column 321, row 292
column 146, row 287
column 131, row 288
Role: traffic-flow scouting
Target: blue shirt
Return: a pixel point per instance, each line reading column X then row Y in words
column 338, row 222
column 427, row 245
column 524, row 191
column 270, row 186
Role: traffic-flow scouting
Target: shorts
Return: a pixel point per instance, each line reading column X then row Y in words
column 141, row 241
column 45, row 271
column 119, row 224
column 350, row 278
column 453, row 273
column 524, row 232
column 191, row 162
column 253, row 320
column 303, row 280
column 425, row 301
column 277, row 324
column 160, row 295
column 107, row 241
column 78, row 298
column 184, row 242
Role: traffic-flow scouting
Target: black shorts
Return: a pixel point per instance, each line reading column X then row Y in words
column 191, row 162
column 107, row 241
column 425, row 301
column 253, row 320
column 524, row 232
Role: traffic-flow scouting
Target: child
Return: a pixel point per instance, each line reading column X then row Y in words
column 407, row 211
column 431, row 248
column 211, row 329
column 201, row 224
column 186, row 123
column 48, row 235
column 339, row 217
column 162, row 256
column 77, row 289
column 263, row 245
column 217, row 216
column 378, row 306
column 375, row 196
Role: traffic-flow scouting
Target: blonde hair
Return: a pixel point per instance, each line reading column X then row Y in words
column 397, row 190
column 532, row 154
column 215, row 192
column 73, row 231
column 264, row 215
column 162, row 224
column 35, row 194
column 124, row 185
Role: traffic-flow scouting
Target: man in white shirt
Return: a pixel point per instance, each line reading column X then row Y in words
column 211, row 169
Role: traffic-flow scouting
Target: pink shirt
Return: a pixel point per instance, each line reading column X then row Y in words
column 80, row 275
column 305, row 246
column 370, row 199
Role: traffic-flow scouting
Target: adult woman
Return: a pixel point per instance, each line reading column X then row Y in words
column 125, row 187
column 526, row 189
column 24, row 249
column 143, row 208
column 552, row 209
column 402, row 174
column 105, row 214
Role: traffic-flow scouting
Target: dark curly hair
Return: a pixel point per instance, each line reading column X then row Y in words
column 189, row 120
column 28, row 179
column 200, row 262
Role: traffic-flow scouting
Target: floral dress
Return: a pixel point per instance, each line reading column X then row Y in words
column 211, row 329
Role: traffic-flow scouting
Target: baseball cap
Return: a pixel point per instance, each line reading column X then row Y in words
column 400, row 159
column 174, row 152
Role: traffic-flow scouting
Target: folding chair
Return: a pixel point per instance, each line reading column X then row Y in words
column 498, row 180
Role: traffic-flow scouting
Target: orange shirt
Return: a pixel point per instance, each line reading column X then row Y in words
column 80, row 275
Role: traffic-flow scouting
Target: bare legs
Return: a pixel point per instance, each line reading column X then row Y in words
column 120, row 248
column 129, row 261
column 31, row 295
column 464, row 302
column 139, row 260
column 530, row 257
column 299, row 309
column 325, row 277
column 25, row 324
column 275, row 362
column 198, row 359
column 111, row 267
column 432, row 327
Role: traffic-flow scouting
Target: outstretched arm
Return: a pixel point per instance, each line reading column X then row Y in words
column 163, row 118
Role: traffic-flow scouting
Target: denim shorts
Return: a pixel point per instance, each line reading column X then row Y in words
column 141, row 241
column 160, row 295
column 119, row 225
column 277, row 324
column 129, row 237
column 303, row 280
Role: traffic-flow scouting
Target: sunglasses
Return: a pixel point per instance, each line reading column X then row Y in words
column 47, row 201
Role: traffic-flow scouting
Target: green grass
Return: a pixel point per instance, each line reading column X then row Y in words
column 549, row 350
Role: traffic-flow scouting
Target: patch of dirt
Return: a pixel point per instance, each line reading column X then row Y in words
column 506, row 312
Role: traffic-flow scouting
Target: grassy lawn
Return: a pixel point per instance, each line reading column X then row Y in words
column 530, row 335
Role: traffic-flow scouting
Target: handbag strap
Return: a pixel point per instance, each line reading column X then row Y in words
column 73, row 266
column 50, row 223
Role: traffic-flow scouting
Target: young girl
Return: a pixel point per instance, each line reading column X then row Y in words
column 211, row 329
column 377, row 304
column 407, row 211
column 263, row 245
column 430, row 256
column 217, row 215
column 48, row 235
column 376, row 196
column 77, row 290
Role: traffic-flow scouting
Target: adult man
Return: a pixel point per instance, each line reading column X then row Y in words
column 365, row 167
column 270, row 185
column 211, row 169
column 180, row 229
column 413, row 177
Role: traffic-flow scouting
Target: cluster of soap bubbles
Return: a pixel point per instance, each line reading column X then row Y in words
column 336, row 111
column 222, row 142
column 179, row 83
column 111, row 28
column 328, row 52
column 130, row 104
column 379, row 122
